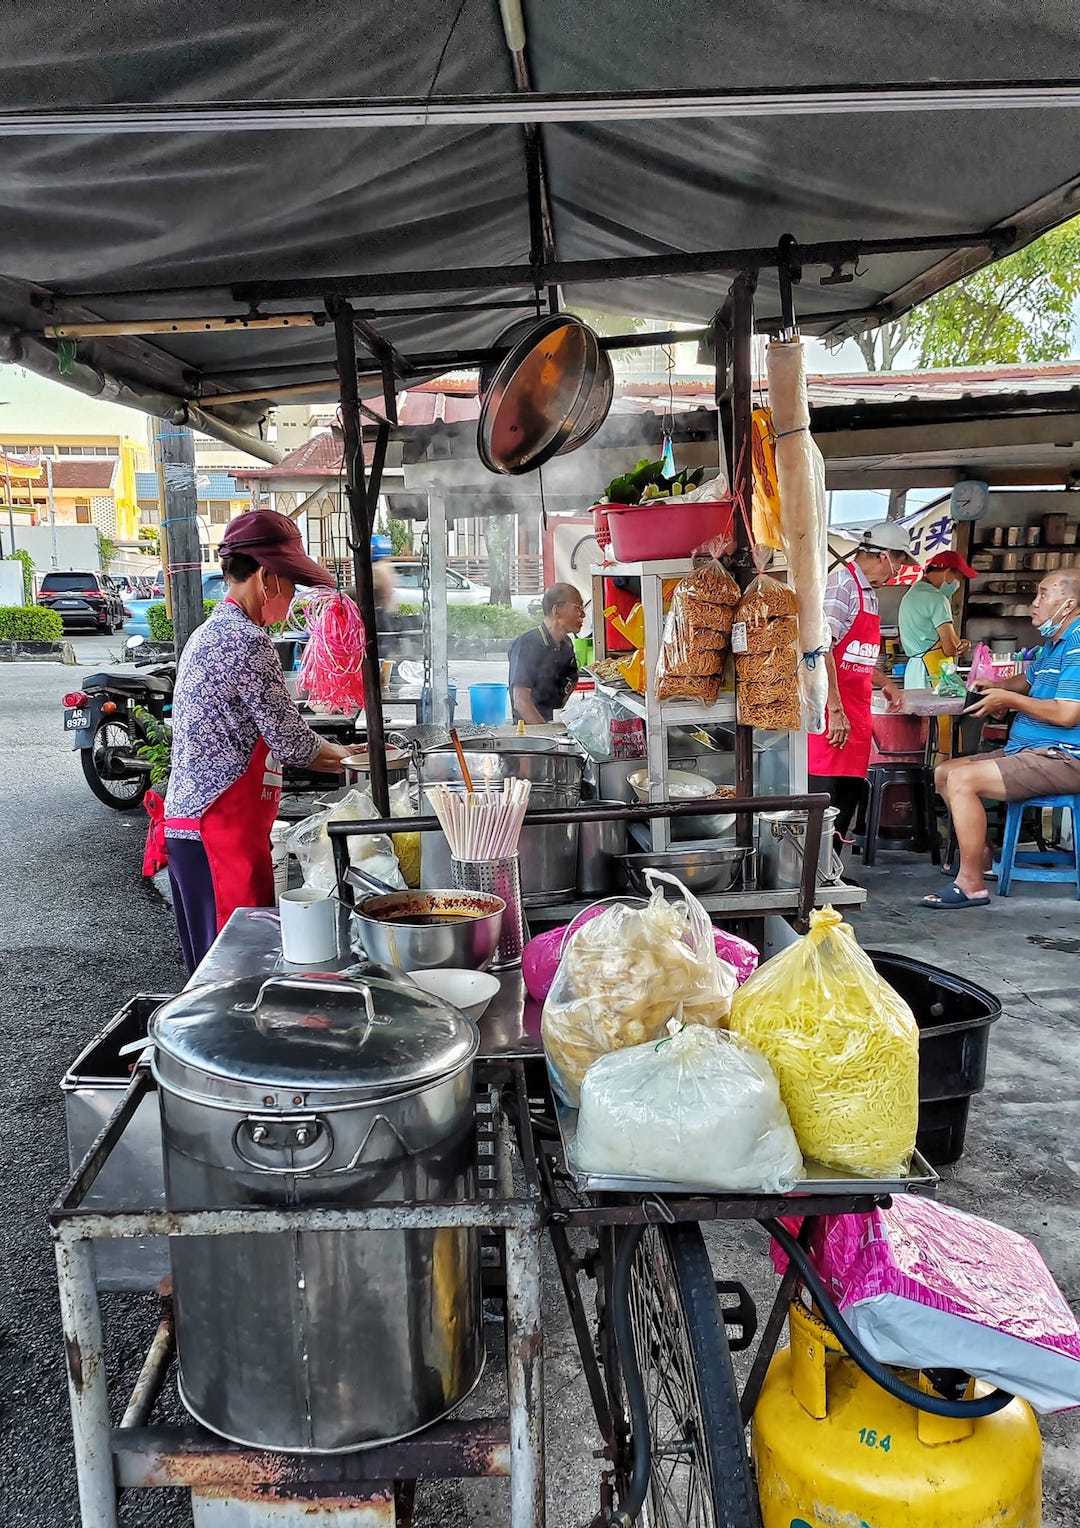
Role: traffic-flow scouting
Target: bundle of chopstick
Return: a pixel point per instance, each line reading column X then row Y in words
column 481, row 825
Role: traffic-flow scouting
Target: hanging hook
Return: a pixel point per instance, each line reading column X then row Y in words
column 788, row 270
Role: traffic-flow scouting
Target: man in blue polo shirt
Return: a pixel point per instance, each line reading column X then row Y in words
column 1042, row 756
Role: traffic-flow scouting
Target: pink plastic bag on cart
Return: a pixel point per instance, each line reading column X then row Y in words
column 540, row 959
column 922, row 1284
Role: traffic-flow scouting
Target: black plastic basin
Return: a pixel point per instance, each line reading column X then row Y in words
column 954, row 1018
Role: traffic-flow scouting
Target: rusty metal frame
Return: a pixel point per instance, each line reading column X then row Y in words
column 137, row 1455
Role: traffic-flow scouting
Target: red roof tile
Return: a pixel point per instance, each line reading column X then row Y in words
column 89, row 475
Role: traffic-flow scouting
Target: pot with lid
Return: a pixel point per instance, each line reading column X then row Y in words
column 311, row 1090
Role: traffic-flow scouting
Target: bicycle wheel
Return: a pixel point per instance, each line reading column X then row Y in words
column 700, row 1471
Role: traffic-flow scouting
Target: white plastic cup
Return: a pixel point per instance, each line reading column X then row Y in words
column 308, row 926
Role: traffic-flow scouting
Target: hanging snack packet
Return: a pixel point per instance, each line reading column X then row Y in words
column 696, row 636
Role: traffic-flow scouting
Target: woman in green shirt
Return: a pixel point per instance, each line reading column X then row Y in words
column 927, row 633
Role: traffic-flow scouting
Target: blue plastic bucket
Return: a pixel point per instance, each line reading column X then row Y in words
column 489, row 704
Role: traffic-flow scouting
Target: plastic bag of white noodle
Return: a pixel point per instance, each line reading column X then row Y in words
column 700, row 1107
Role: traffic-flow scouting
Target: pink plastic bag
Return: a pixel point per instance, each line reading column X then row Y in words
column 923, row 1284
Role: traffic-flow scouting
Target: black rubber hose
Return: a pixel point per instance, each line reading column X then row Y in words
column 985, row 1406
column 627, row 1512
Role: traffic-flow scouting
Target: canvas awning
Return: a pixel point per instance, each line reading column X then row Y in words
column 196, row 160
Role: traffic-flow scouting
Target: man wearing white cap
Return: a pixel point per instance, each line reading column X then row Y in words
column 838, row 758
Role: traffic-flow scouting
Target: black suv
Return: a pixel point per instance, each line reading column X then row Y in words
column 83, row 599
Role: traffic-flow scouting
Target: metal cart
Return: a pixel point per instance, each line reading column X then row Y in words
column 653, row 1326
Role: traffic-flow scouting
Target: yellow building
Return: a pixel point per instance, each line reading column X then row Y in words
column 93, row 482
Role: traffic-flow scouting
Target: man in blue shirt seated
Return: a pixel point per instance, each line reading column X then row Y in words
column 1042, row 756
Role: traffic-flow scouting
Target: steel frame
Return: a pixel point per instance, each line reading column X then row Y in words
column 136, row 1455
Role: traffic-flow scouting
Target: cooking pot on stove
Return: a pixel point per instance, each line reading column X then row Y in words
column 320, row 1090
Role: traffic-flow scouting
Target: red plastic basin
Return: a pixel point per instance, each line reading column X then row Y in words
column 651, row 532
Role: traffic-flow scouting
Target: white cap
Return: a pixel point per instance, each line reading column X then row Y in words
column 885, row 536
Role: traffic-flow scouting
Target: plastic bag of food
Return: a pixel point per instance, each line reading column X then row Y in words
column 844, row 1046
column 699, row 1107
column 374, row 852
column 624, row 974
column 696, row 636
column 924, row 1285
column 766, row 658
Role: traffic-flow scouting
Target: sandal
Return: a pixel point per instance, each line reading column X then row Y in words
column 952, row 899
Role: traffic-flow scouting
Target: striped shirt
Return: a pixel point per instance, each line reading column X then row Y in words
column 842, row 599
column 230, row 691
column 1053, row 675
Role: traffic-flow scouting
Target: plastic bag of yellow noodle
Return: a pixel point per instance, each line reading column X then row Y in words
column 624, row 974
column 844, row 1046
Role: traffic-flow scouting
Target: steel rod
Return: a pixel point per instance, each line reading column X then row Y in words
column 71, row 1225
column 525, row 1378
column 741, row 465
column 86, row 1172
column 621, row 268
column 238, row 325
column 360, row 523
column 87, row 1383
column 501, row 109
column 152, row 1375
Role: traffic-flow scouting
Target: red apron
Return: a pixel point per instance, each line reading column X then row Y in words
column 235, row 833
column 856, row 656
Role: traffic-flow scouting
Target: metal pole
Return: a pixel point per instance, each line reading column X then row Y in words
column 174, row 454
column 87, row 1386
column 437, row 607
column 742, row 467
column 52, row 509
column 10, row 507
column 360, row 524
column 525, row 1378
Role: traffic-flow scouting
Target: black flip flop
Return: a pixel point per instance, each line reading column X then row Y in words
column 951, row 900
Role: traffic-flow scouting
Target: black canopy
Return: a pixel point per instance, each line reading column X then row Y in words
column 167, row 160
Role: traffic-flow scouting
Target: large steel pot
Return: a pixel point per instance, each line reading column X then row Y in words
column 461, row 931
column 780, row 850
column 549, row 854
column 317, row 1090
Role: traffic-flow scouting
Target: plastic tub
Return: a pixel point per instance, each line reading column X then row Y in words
column 668, row 528
column 954, row 1018
column 489, row 704
column 898, row 737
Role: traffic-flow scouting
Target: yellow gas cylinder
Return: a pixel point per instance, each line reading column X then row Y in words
column 833, row 1450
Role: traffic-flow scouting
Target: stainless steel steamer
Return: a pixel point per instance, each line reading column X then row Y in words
column 319, row 1090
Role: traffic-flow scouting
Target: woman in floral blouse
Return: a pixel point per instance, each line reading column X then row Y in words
column 234, row 725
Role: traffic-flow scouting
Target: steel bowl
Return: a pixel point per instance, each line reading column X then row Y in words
column 387, row 937
column 702, row 871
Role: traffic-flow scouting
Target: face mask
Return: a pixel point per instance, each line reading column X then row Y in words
column 949, row 589
column 1048, row 628
column 276, row 604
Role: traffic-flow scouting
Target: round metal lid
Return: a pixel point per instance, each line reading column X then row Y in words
column 535, row 398
column 292, row 1040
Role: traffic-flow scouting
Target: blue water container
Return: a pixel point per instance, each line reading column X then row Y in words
column 489, row 704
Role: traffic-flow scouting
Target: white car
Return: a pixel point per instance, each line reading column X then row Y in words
column 459, row 589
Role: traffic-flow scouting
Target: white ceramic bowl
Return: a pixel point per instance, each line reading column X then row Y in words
column 471, row 991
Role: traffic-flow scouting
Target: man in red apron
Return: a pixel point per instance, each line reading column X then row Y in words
column 234, row 725
column 838, row 758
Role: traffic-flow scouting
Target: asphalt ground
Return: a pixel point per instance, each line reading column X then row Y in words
column 80, row 932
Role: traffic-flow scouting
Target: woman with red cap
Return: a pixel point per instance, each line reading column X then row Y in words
column 928, row 634
column 234, row 725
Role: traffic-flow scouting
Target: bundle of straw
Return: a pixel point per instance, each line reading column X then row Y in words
column 481, row 825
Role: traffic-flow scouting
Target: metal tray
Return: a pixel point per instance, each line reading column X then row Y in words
column 819, row 1180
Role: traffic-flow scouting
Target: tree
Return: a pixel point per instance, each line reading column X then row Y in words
column 499, row 532
column 23, row 556
column 106, row 549
column 1019, row 309
column 880, row 347
column 150, row 539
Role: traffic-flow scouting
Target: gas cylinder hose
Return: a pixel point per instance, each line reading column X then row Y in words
column 638, row 1488
column 937, row 1405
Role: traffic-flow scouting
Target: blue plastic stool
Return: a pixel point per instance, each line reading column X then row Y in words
column 1041, row 865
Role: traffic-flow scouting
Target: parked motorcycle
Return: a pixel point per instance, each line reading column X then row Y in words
column 105, row 727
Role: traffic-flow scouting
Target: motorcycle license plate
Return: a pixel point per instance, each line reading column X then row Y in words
column 75, row 718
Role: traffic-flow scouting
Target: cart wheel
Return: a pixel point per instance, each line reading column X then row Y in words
column 700, row 1471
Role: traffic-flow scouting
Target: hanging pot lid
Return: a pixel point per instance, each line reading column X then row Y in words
column 596, row 407
column 537, row 394
column 299, row 1040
